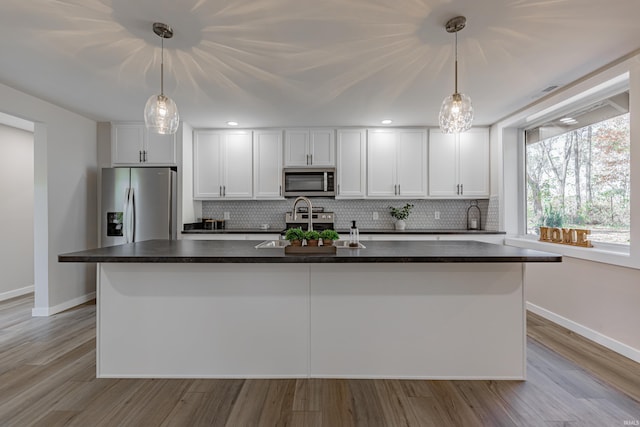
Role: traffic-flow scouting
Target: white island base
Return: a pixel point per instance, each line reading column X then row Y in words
column 332, row 320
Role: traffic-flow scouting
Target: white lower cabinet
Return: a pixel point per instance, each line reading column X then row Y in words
column 222, row 165
column 396, row 163
column 459, row 164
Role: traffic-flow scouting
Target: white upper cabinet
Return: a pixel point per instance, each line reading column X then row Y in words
column 351, row 163
column 396, row 163
column 223, row 164
column 309, row 147
column 459, row 164
column 267, row 164
column 133, row 145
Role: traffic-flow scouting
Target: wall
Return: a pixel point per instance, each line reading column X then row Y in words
column 65, row 162
column 597, row 300
column 16, row 215
column 250, row 214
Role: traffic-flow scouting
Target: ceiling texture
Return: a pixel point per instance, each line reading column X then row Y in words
column 278, row 63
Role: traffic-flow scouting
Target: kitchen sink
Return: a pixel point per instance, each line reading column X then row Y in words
column 272, row 244
column 344, row 244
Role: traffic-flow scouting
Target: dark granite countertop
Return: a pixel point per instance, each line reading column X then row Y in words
column 235, row 231
column 243, row 251
column 343, row 231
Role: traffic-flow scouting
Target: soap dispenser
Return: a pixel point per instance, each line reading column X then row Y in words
column 354, row 236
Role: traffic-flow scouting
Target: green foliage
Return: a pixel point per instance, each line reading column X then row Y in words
column 329, row 235
column 552, row 217
column 401, row 213
column 294, row 234
column 312, row 235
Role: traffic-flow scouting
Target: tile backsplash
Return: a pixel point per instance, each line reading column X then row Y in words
column 453, row 213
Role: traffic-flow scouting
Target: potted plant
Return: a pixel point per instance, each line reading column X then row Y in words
column 400, row 215
column 312, row 237
column 295, row 236
column 328, row 236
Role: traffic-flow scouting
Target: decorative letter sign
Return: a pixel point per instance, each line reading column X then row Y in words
column 566, row 236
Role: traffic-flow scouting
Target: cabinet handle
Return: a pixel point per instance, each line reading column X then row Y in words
column 224, row 191
column 281, row 190
column 140, row 156
column 144, row 156
column 399, row 192
column 311, row 157
column 461, row 189
column 221, row 191
column 338, row 188
column 458, row 189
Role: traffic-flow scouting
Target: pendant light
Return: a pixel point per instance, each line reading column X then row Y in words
column 160, row 112
column 456, row 113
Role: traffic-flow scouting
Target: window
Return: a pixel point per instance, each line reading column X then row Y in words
column 578, row 171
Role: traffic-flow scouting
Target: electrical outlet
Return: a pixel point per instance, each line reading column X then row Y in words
column 437, row 214
column 375, row 216
column 227, row 215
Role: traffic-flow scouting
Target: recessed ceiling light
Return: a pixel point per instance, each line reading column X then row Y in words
column 568, row 120
column 232, row 123
column 386, row 121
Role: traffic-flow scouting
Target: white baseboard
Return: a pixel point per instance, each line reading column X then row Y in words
column 50, row 311
column 610, row 343
column 16, row 293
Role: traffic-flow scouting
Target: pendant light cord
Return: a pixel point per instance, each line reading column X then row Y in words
column 456, row 64
column 162, row 67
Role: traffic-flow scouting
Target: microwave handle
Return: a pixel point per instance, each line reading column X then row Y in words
column 325, row 181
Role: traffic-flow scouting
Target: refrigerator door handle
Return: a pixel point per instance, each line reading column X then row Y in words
column 128, row 216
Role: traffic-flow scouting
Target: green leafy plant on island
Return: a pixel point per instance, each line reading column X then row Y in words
column 294, row 235
column 401, row 213
column 311, row 235
column 329, row 234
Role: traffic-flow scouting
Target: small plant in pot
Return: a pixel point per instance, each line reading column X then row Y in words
column 400, row 215
column 312, row 237
column 295, row 236
column 329, row 236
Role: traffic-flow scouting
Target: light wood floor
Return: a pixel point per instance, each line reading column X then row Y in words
column 47, row 378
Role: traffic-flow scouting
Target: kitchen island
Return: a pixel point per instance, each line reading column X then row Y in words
column 214, row 309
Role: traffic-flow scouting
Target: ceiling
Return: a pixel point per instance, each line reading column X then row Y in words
column 273, row 63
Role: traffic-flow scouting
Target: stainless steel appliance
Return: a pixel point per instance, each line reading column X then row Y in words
column 321, row 220
column 309, row 182
column 138, row 204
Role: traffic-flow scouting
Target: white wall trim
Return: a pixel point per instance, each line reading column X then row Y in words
column 50, row 311
column 610, row 343
column 16, row 293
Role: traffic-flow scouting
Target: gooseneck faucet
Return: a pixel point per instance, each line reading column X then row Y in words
column 295, row 213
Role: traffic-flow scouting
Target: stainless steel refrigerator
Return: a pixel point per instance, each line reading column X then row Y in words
column 138, row 204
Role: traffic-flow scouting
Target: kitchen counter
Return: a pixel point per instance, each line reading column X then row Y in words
column 190, row 251
column 396, row 309
column 345, row 231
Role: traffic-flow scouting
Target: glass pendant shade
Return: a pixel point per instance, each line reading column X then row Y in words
column 161, row 115
column 456, row 113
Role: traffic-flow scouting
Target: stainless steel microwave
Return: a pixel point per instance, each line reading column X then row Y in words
column 310, row 182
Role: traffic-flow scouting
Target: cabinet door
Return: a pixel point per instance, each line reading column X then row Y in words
column 238, row 165
column 412, row 163
column 207, row 161
column 296, row 147
column 443, row 174
column 127, row 143
column 322, row 147
column 381, row 163
column 351, row 164
column 160, row 149
column 474, row 163
column 267, row 162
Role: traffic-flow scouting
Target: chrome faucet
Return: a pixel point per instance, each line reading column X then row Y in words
column 295, row 213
